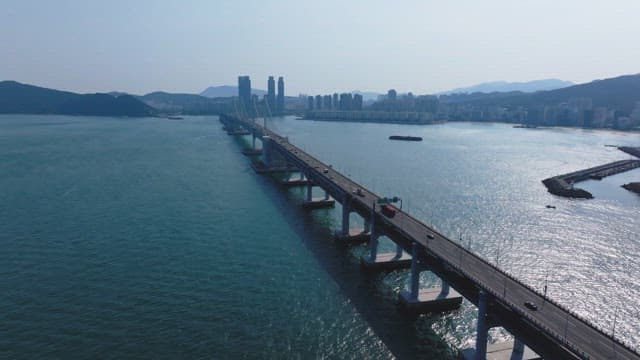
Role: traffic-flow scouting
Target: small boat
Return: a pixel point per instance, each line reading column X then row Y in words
column 405, row 138
column 550, row 207
column 174, row 117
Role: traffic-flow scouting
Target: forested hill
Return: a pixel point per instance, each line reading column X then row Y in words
column 17, row 98
column 620, row 93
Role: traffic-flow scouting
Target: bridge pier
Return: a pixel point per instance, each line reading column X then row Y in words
column 506, row 350
column 346, row 234
column 509, row 350
column 317, row 203
column 385, row 261
column 272, row 162
column 435, row 299
column 482, row 328
column 301, row 181
column 252, row 151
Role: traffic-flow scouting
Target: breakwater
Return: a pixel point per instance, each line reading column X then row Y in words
column 634, row 186
column 635, row 151
column 562, row 185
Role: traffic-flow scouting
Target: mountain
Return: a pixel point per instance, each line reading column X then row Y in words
column 227, row 91
column 503, row 86
column 619, row 93
column 186, row 103
column 28, row 99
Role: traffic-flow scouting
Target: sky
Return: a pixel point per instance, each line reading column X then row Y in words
column 326, row 46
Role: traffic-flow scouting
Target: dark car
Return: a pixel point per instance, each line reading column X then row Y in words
column 531, row 306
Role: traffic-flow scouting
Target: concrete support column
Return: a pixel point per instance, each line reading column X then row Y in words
column 483, row 326
column 309, row 192
column 301, row 175
column 518, row 350
column 415, row 273
column 346, row 211
column 254, row 140
column 267, row 156
column 399, row 250
column 444, row 292
column 373, row 246
column 367, row 225
column 326, row 195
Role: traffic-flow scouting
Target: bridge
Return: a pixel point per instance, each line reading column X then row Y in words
column 546, row 327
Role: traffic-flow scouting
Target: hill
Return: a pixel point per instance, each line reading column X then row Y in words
column 17, row 98
column 186, row 103
column 619, row 93
column 503, row 86
column 226, row 91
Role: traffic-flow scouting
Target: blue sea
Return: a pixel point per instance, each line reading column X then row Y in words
column 153, row 238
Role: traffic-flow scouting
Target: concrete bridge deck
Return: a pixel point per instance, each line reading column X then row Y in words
column 552, row 330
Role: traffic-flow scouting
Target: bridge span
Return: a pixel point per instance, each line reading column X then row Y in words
column 548, row 328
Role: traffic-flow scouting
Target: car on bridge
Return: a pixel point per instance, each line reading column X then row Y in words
column 531, row 306
column 388, row 210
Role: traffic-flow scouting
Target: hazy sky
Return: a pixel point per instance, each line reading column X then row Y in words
column 319, row 46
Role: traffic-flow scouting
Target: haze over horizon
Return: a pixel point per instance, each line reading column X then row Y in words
column 318, row 47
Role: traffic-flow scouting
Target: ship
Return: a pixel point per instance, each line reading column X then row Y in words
column 405, row 138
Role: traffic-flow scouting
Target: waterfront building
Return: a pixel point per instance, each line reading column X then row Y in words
column 326, row 102
column 244, row 94
column 346, row 101
column 318, row 102
column 336, row 101
column 280, row 99
column 271, row 94
column 357, row 102
column 310, row 103
column 392, row 95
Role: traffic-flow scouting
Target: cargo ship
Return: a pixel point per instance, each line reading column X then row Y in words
column 405, row 138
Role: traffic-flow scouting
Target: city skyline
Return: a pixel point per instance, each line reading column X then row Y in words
column 408, row 46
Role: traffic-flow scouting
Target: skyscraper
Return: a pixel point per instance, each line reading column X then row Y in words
column 357, row 102
column 280, row 100
column 271, row 94
column 244, row 94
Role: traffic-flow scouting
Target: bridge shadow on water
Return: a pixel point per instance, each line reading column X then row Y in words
column 404, row 335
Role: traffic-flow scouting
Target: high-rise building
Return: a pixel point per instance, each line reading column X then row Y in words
column 357, row 102
column 346, row 101
column 319, row 102
column 280, row 100
column 392, row 94
column 271, row 94
column 336, row 101
column 326, row 102
column 310, row 103
column 244, row 94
